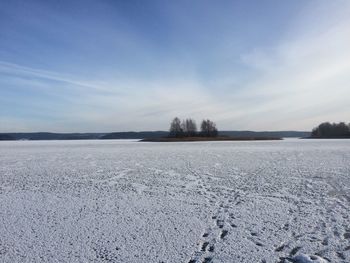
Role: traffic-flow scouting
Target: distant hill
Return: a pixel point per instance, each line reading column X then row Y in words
column 52, row 136
column 280, row 134
column 6, row 137
column 138, row 135
column 135, row 135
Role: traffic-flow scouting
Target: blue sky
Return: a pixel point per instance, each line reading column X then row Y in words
column 100, row 66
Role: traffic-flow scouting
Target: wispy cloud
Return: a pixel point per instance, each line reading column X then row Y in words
column 143, row 72
column 22, row 71
column 304, row 78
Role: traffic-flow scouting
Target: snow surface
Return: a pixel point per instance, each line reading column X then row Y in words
column 127, row 201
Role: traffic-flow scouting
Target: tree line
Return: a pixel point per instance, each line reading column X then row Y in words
column 188, row 128
column 331, row 130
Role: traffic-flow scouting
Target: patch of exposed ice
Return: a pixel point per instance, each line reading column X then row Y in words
column 302, row 258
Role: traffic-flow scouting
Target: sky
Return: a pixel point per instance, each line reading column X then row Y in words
column 108, row 65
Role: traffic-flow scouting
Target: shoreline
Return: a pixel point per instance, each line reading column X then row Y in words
column 204, row 139
column 340, row 137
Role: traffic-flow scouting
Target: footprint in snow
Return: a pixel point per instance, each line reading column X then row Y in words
column 223, row 234
column 207, row 260
column 211, row 248
column 294, row 251
column 204, row 246
column 220, row 223
column 280, row 248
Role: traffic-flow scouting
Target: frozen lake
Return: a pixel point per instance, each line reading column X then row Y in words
column 127, row 201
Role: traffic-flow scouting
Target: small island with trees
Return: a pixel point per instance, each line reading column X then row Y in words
column 328, row 130
column 186, row 131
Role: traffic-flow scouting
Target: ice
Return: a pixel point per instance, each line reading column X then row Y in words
column 128, row 201
column 302, row 258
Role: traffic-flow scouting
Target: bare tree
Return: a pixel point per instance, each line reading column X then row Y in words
column 175, row 128
column 208, row 128
column 189, row 127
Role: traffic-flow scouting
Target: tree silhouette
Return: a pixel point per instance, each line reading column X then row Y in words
column 175, row 128
column 189, row 127
column 329, row 130
column 208, row 128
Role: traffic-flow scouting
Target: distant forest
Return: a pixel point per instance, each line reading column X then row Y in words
column 331, row 130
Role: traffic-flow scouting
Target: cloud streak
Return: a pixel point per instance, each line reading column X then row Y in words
column 293, row 79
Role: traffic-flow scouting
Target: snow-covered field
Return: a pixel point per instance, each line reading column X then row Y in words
column 127, row 201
